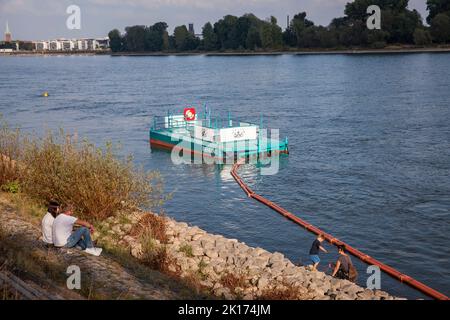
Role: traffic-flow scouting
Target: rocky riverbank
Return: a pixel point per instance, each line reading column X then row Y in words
column 230, row 269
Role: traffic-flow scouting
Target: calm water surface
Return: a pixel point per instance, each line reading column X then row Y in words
column 369, row 139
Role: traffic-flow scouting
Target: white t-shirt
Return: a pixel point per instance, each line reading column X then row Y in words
column 62, row 229
column 47, row 228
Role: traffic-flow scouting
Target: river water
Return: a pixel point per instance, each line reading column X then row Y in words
column 369, row 143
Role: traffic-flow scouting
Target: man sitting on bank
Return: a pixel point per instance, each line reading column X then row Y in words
column 64, row 234
column 47, row 222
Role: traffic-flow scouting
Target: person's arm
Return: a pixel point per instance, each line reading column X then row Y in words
column 323, row 249
column 85, row 224
column 336, row 268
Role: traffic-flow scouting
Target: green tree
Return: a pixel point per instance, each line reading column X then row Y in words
column 209, row 37
column 180, row 34
column 226, row 31
column 253, row 40
column 401, row 25
column 135, row 38
column 244, row 24
column 115, row 40
column 326, row 37
column 26, row 45
column 154, row 36
column 184, row 40
column 436, row 7
column 153, row 40
column 192, row 42
column 266, row 36
column 289, row 37
column 440, row 28
column 277, row 34
column 166, row 42
column 299, row 25
column 397, row 21
column 357, row 10
column 422, row 37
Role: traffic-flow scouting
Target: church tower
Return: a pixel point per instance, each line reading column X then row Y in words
column 8, row 36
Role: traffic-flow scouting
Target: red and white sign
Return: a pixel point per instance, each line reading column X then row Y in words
column 189, row 114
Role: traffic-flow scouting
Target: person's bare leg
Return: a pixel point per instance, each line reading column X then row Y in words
column 314, row 268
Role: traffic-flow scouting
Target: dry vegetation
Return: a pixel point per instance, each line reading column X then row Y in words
column 233, row 281
column 28, row 262
column 150, row 230
column 60, row 167
column 9, row 150
column 283, row 292
column 151, row 225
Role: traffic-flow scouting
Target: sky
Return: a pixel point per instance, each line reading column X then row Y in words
column 46, row 19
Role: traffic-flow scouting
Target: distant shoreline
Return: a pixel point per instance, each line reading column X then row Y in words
column 388, row 50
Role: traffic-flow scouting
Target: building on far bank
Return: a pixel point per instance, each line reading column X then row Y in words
column 8, row 35
column 72, row 44
column 8, row 45
column 65, row 45
column 191, row 29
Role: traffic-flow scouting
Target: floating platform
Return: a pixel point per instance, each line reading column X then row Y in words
column 214, row 137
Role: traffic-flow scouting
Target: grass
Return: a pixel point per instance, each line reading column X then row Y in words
column 156, row 256
column 30, row 262
column 152, row 225
column 287, row 292
column 201, row 270
column 187, row 250
column 24, row 206
column 233, row 281
column 59, row 166
column 9, row 150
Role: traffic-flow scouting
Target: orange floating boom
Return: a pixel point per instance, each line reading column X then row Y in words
column 334, row 241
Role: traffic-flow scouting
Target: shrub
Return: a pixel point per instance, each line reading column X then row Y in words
column 284, row 292
column 10, row 149
column 187, row 250
column 155, row 256
column 422, row 37
column 11, row 187
column 440, row 28
column 94, row 180
column 152, row 225
column 233, row 281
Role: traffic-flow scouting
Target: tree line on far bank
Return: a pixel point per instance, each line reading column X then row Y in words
column 399, row 25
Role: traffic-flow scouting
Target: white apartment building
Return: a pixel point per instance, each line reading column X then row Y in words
column 72, row 44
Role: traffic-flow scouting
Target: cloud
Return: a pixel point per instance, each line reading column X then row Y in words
column 33, row 7
column 199, row 4
column 46, row 18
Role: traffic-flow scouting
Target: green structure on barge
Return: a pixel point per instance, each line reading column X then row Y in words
column 214, row 137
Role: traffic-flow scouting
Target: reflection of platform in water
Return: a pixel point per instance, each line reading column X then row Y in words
column 214, row 137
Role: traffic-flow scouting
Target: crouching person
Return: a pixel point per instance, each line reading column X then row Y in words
column 64, row 234
column 344, row 268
